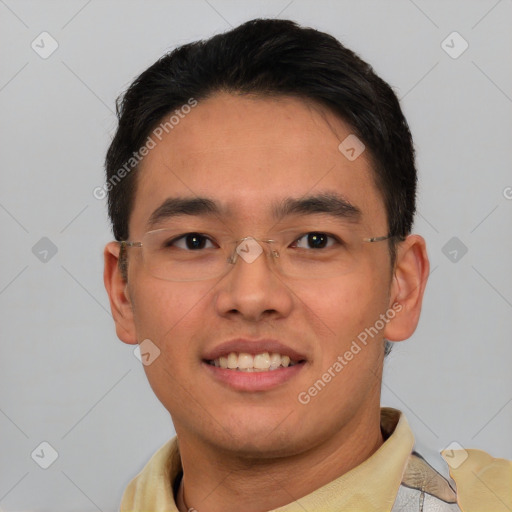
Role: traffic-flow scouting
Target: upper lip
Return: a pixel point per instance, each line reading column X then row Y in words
column 253, row 347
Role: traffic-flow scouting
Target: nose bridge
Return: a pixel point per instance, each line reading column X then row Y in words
column 250, row 249
column 250, row 288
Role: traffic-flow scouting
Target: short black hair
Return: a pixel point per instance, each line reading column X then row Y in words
column 269, row 57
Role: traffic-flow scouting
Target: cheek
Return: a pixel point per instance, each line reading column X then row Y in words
column 341, row 308
column 169, row 314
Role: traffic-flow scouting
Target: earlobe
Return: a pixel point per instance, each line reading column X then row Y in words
column 118, row 294
column 407, row 288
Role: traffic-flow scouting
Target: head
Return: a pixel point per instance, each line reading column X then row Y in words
column 239, row 126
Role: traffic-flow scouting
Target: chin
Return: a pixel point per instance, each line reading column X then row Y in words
column 272, row 447
column 270, row 438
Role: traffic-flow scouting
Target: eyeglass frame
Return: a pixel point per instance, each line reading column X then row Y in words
column 124, row 244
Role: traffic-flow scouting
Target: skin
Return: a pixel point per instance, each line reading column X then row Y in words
column 264, row 449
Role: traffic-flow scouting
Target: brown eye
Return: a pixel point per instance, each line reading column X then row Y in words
column 314, row 240
column 190, row 241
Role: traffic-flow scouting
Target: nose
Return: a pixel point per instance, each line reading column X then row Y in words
column 253, row 288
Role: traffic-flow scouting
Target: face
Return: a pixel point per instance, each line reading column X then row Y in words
column 248, row 154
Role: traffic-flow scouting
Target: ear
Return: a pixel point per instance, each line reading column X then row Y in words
column 409, row 280
column 117, row 289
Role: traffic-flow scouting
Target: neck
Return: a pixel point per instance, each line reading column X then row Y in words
column 215, row 481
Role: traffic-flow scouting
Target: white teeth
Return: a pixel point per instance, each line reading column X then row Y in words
column 262, row 361
column 232, row 361
column 245, row 361
column 248, row 363
column 275, row 361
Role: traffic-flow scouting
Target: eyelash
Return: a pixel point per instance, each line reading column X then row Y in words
column 335, row 239
column 183, row 237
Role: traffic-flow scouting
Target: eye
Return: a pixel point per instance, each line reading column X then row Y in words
column 316, row 240
column 190, row 241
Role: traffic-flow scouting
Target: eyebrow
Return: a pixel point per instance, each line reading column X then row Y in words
column 329, row 203
column 176, row 206
column 332, row 204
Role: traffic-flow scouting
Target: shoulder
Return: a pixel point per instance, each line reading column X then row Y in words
column 151, row 489
column 424, row 488
column 459, row 481
column 483, row 481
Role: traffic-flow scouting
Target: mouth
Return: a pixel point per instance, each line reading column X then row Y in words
column 253, row 365
column 245, row 362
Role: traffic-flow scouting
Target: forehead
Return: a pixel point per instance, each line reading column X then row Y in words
column 249, row 152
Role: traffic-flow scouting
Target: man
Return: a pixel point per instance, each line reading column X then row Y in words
column 262, row 192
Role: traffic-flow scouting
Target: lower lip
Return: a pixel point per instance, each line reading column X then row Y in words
column 254, row 381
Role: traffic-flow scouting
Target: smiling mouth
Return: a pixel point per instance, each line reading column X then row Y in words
column 245, row 362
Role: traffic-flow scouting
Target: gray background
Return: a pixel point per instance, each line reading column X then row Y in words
column 67, row 380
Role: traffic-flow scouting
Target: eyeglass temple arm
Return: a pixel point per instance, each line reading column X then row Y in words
column 377, row 238
column 126, row 243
